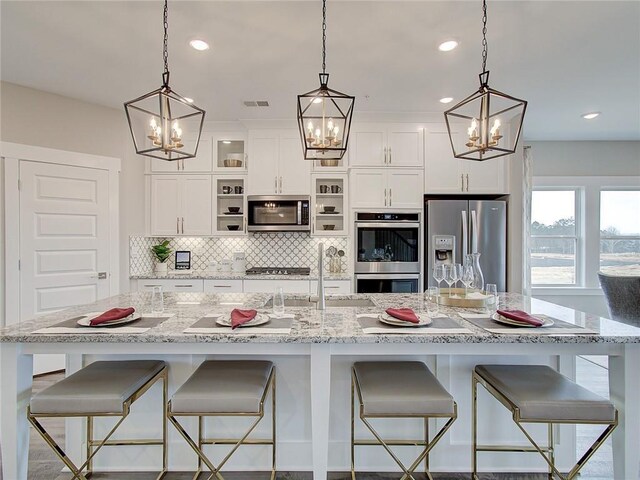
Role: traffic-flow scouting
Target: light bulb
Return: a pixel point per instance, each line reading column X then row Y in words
column 317, row 100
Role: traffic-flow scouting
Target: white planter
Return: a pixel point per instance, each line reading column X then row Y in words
column 161, row 269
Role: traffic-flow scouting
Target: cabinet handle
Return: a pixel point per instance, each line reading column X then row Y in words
column 467, row 182
column 462, row 182
column 385, row 155
column 330, row 287
column 151, row 285
column 183, row 286
column 280, row 184
column 178, row 225
column 222, row 286
column 390, row 203
column 385, row 197
column 389, row 155
column 182, row 225
column 276, row 180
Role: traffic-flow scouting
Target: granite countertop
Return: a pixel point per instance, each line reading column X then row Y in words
column 333, row 325
column 206, row 275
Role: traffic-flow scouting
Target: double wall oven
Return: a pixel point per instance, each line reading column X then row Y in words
column 387, row 252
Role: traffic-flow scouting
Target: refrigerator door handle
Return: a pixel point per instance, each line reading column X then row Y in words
column 465, row 235
column 474, row 232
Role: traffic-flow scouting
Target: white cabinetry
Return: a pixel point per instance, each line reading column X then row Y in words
column 385, row 187
column 180, row 205
column 390, row 145
column 446, row 174
column 171, row 285
column 223, row 286
column 277, row 163
column 332, row 286
column 269, row 286
column 201, row 163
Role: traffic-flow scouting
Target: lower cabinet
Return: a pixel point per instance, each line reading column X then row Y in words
column 269, row 286
column 332, row 286
column 223, row 286
column 171, row 285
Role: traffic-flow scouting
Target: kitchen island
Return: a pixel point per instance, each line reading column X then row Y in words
column 313, row 362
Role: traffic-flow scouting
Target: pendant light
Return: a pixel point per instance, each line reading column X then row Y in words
column 488, row 123
column 324, row 115
column 163, row 124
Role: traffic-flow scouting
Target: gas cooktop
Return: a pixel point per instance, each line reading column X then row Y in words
column 278, row 271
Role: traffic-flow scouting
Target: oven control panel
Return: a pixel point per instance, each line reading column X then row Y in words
column 387, row 217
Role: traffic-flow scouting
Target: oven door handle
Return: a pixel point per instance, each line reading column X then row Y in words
column 388, row 276
column 387, row 225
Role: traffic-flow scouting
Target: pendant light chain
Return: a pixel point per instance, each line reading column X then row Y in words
column 484, row 36
column 324, row 36
column 165, row 45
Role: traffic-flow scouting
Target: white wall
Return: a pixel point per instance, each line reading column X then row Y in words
column 34, row 117
column 551, row 159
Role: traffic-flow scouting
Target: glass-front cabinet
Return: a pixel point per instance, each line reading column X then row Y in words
column 230, row 205
column 229, row 152
column 329, row 205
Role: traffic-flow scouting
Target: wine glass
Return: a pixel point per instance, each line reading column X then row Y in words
column 448, row 276
column 467, row 278
column 438, row 273
column 455, row 276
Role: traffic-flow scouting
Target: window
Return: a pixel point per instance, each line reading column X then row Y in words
column 620, row 232
column 554, row 237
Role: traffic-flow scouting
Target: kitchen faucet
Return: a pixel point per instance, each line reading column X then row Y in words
column 320, row 305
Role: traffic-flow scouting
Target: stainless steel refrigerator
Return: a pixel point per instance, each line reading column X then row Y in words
column 456, row 227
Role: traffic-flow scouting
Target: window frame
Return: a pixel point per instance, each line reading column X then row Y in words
column 611, row 237
column 576, row 237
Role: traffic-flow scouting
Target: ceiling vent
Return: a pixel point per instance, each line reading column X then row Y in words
column 256, row 103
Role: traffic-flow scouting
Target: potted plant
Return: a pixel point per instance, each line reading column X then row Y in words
column 162, row 252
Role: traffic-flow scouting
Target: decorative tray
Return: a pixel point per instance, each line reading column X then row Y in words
column 454, row 297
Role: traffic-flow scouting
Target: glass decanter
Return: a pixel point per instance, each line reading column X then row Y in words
column 473, row 259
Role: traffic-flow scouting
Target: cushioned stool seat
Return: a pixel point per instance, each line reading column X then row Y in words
column 396, row 388
column 223, row 387
column 544, row 395
column 101, row 387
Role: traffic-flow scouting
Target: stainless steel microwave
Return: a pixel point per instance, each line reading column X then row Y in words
column 278, row 213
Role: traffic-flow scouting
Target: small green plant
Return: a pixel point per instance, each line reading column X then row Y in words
column 162, row 251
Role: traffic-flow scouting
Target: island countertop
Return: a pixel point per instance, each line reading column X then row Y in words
column 333, row 325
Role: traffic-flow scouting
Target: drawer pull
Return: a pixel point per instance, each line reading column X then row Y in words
column 222, row 286
column 146, row 285
column 183, row 286
column 331, row 286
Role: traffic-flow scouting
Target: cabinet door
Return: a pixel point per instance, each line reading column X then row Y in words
column 405, row 188
column 333, row 287
column 367, row 145
column 196, row 205
column 223, row 286
column 269, row 286
column 264, row 153
column 165, row 204
column 294, row 171
column 202, row 162
column 164, row 166
column 368, row 188
column 405, row 144
column 443, row 173
column 485, row 177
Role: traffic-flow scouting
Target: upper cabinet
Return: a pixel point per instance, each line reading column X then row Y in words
column 229, row 153
column 277, row 164
column 446, row 174
column 386, row 145
column 201, row 163
column 386, row 188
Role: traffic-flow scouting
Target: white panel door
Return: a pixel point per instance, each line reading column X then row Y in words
column 443, row 172
column 165, row 204
column 368, row 188
column 294, row 172
column 263, row 153
column 485, row 177
column 196, row 200
column 64, row 237
column 203, row 161
column 406, row 145
column 367, row 145
column 405, row 188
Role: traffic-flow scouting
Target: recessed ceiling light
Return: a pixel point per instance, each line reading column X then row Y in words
column 590, row 115
column 190, row 100
column 446, row 100
column 199, row 44
column 447, row 46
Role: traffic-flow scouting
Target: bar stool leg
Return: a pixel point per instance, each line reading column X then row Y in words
column 551, row 451
column 426, row 441
column 89, row 445
column 165, row 426
column 474, row 428
column 273, row 429
column 353, row 472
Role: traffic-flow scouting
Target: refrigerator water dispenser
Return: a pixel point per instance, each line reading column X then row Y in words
column 444, row 247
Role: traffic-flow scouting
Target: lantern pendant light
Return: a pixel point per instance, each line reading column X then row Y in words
column 324, row 115
column 488, row 123
column 163, row 124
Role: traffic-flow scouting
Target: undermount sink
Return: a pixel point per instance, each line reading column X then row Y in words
column 329, row 302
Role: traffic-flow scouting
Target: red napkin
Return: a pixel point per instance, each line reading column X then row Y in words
column 240, row 317
column 405, row 314
column 112, row 315
column 520, row 316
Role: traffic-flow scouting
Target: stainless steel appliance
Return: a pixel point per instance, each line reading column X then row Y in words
column 456, row 227
column 387, row 252
column 278, row 213
column 278, row 271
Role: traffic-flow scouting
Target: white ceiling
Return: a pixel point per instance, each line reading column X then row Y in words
column 565, row 57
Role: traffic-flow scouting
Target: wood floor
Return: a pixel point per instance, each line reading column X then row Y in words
column 44, row 465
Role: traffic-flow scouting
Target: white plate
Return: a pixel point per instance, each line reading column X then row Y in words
column 389, row 320
column 261, row 319
column 85, row 321
column 514, row 323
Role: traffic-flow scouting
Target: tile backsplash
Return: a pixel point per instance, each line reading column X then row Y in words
column 280, row 249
